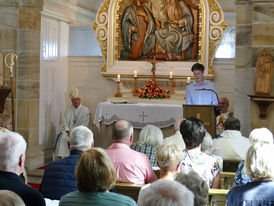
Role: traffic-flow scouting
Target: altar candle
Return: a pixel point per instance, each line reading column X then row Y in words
column 170, row 75
column 188, row 80
column 135, row 74
column 118, row 77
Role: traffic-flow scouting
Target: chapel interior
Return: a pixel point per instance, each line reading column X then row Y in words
column 58, row 50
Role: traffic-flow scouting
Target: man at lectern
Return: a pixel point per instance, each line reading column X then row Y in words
column 201, row 91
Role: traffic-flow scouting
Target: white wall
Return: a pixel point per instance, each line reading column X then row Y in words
column 53, row 77
column 225, row 79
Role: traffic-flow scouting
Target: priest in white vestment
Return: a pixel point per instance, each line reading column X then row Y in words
column 76, row 115
column 220, row 120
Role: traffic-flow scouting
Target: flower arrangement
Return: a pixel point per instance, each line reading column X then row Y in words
column 152, row 90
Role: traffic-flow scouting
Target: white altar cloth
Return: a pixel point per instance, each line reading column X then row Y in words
column 140, row 114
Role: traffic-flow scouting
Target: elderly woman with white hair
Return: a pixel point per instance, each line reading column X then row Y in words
column 259, row 166
column 256, row 135
column 150, row 138
column 166, row 193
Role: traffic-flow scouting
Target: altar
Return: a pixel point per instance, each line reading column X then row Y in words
column 139, row 114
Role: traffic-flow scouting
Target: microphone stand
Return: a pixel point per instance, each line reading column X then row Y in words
column 217, row 108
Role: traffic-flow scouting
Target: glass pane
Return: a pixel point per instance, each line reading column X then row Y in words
column 227, row 46
column 83, row 42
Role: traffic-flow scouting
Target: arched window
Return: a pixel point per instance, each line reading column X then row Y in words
column 227, row 46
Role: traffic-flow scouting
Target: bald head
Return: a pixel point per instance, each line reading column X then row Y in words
column 177, row 124
column 122, row 131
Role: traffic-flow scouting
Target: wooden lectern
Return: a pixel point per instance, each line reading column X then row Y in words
column 206, row 113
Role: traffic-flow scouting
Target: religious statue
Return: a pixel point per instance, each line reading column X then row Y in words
column 263, row 76
column 161, row 28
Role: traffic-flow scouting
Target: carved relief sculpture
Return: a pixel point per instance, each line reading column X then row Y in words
column 161, row 28
column 263, row 76
column 137, row 31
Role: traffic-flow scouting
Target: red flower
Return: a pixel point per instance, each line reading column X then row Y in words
column 168, row 96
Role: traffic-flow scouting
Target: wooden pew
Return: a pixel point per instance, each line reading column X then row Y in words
column 227, row 179
column 217, row 197
column 128, row 189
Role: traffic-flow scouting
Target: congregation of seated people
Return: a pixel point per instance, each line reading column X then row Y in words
column 187, row 170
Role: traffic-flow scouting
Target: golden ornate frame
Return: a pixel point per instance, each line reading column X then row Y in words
column 108, row 24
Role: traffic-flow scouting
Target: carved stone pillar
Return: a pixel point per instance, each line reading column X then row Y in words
column 28, row 78
column 243, row 63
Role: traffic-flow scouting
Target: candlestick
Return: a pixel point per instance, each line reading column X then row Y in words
column 171, row 90
column 135, row 90
column 135, row 74
column 188, row 80
column 118, row 93
column 118, row 77
column 170, row 75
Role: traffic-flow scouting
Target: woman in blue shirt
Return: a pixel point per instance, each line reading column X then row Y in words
column 259, row 165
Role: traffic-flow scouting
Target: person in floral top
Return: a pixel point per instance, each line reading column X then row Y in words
column 193, row 132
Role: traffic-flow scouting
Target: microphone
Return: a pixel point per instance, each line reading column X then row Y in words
column 204, row 89
column 217, row 108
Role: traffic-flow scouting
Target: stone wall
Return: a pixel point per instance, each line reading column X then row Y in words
column 262, row 38
column 254, row 33
column 20, row 33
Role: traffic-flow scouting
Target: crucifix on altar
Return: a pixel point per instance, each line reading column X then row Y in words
column 153, row 69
